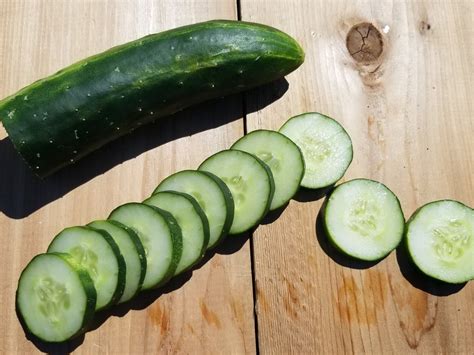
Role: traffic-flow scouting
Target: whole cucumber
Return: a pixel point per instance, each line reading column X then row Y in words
column 57, row 120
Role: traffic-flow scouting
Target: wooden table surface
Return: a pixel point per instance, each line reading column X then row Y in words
column 282, row 289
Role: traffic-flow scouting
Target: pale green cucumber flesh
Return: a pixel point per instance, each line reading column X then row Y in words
column 250, row 181
column 440, row 240
column 326, row 148
column 57, row 120
column 99, row 255
column 161, row 238
column 55, row 298
column 213, row 196
column 363, row 219
column 133, row 253
column 282, row 156
column 192, row 221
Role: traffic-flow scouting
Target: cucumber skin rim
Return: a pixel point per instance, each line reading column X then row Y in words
column 175, row 236
column 230, row 205
column 331, row 238
column 343, row 130
column 140, row 250
column 407, row 244
column 228, row 199
column 89, row 290
column 301, row 156
column 270, row 179
column 120, row 261
column 204, row 220
column 122, row 267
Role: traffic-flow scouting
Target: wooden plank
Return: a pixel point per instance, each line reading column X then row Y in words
column 411, row 123
column 212, row 312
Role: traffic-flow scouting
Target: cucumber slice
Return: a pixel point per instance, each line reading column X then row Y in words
column 282, row 156
column 191, row 219
column 250, row 181
column 55, row 297
column 96, row 252
column 160, row 235
column 133, row 253
column 363, row 219
column 326, row 148
column 213, row 196
column 440, row 240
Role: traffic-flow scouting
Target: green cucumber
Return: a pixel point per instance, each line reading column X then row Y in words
column 363, row 219
column 250, row 181
column 160, row 235
column 282, row 156
column 440, row 240
column 57, row 120
column 55, row 298
column 133, row 253
column 192, row 220
column 326, row 148
column 99, row 255
column 213, row 196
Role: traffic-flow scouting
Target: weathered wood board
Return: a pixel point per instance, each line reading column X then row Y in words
column 409, row 113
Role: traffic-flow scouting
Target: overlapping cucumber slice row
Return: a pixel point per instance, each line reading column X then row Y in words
column 142, row 245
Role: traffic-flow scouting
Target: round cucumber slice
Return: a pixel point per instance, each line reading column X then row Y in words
column 99, row 255
column 191, row 219
column 282, row 156
column 249, row 180
column 55, row 297
column 326, row 148
column 133, row 253
column 160, row 235
column 363, row 219
column 440, row 240
column 213, row 196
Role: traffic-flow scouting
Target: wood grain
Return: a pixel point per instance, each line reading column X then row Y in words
column 409, row 114
column 212, row 312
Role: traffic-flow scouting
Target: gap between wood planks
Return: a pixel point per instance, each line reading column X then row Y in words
column 252, row 250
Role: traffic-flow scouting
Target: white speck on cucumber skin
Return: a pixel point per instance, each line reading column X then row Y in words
column 76, row 109
column 74, row 151
column 83, row 119
column 75, row 134
column 11, row 114
column 25, row 98
column 89, row 94
column 38, row 155
column 117, row 69
column 35, row 115
column 140, row 109
column 212, row 85
column 51, row 141
column 37, row 167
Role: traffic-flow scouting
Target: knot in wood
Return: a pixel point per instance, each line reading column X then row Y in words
column 364, row 43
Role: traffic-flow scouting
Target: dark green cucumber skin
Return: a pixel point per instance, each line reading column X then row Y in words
column 138, row 246
column 270, row 179
column 120, row 261
column 88, row 285
column 406, row 245
column 176, row 239
column 326, row 229
column 229, row 202
column 98, row 99
column 202, row 215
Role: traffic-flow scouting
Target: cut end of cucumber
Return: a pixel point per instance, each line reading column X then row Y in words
column 326, row 148
column 250, row 181
column 363, row 219
column 440, row 240
column 212, row 195
column 55, row 298
column 282, row 156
